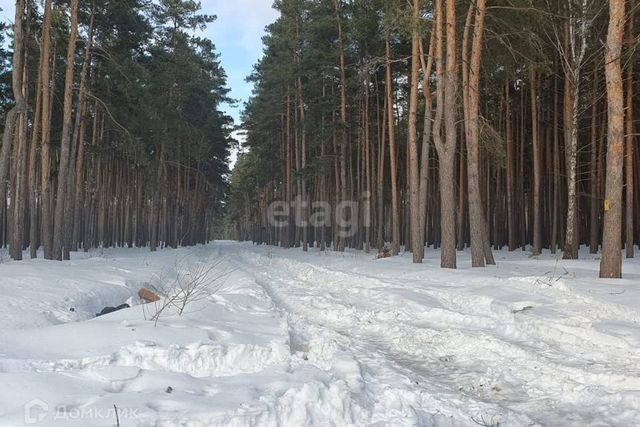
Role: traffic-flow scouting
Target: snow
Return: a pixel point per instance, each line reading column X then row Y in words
column 320, row 339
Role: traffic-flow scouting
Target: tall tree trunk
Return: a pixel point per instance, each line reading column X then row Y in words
column 65, row 142
column 556, row 169
column 343, row 114
column 630, row 138
column 76, row 178
column 593, row 167
column 611, row 262
column 511, row 227
column 480, row 248
column 382, row 137
column 451, row 90
column 368, row 161
column 155, row 202
column 537, row 167
column 20, row 107
column 574, row 53
column 303, row 156
column 33, row 168
column 571, row 157
column 21, row 179
column 20, row 145
column 47, row 85
column 395, row 217
column 417, row 240
column 446, row 98
column 426, row 133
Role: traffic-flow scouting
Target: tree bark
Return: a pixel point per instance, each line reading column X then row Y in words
column 395, row 220
column 574, row 53
column 20, row 145
column 480, row 248
column 611, row 262
column 65, row 142
column 537, row 167
column 343, row 114
column 417, row 240
column 593, row 168
column 33, row 169
column 15, row 113
column 45, row 192
column 426, row 133
column 630, row 138
column 556, row 170
column 76, row 172
column 446, row 97
column 511, row 228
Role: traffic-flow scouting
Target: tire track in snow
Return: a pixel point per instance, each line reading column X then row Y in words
column 393, row 380
column 455, row 353
column 463, row 308
column 572, row 328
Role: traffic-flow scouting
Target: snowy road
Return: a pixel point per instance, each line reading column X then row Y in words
column 299, row 338
column 496, row 345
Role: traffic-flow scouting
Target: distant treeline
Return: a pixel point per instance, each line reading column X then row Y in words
column 113, row 134
column 489, row 124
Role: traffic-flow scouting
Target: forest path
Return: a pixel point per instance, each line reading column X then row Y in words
column 321, row 339
column 503, row 344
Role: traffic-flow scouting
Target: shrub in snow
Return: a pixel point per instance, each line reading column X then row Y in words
column 189, row 283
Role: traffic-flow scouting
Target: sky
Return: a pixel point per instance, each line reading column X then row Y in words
column 237, row 34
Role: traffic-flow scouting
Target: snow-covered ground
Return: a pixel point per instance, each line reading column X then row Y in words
column 320, row 339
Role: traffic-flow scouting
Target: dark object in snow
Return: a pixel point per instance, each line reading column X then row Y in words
column 72, row 310
column 384, row 253
column 148, row 295
column 169, row 389
column 108, row 310
column 523, row 309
